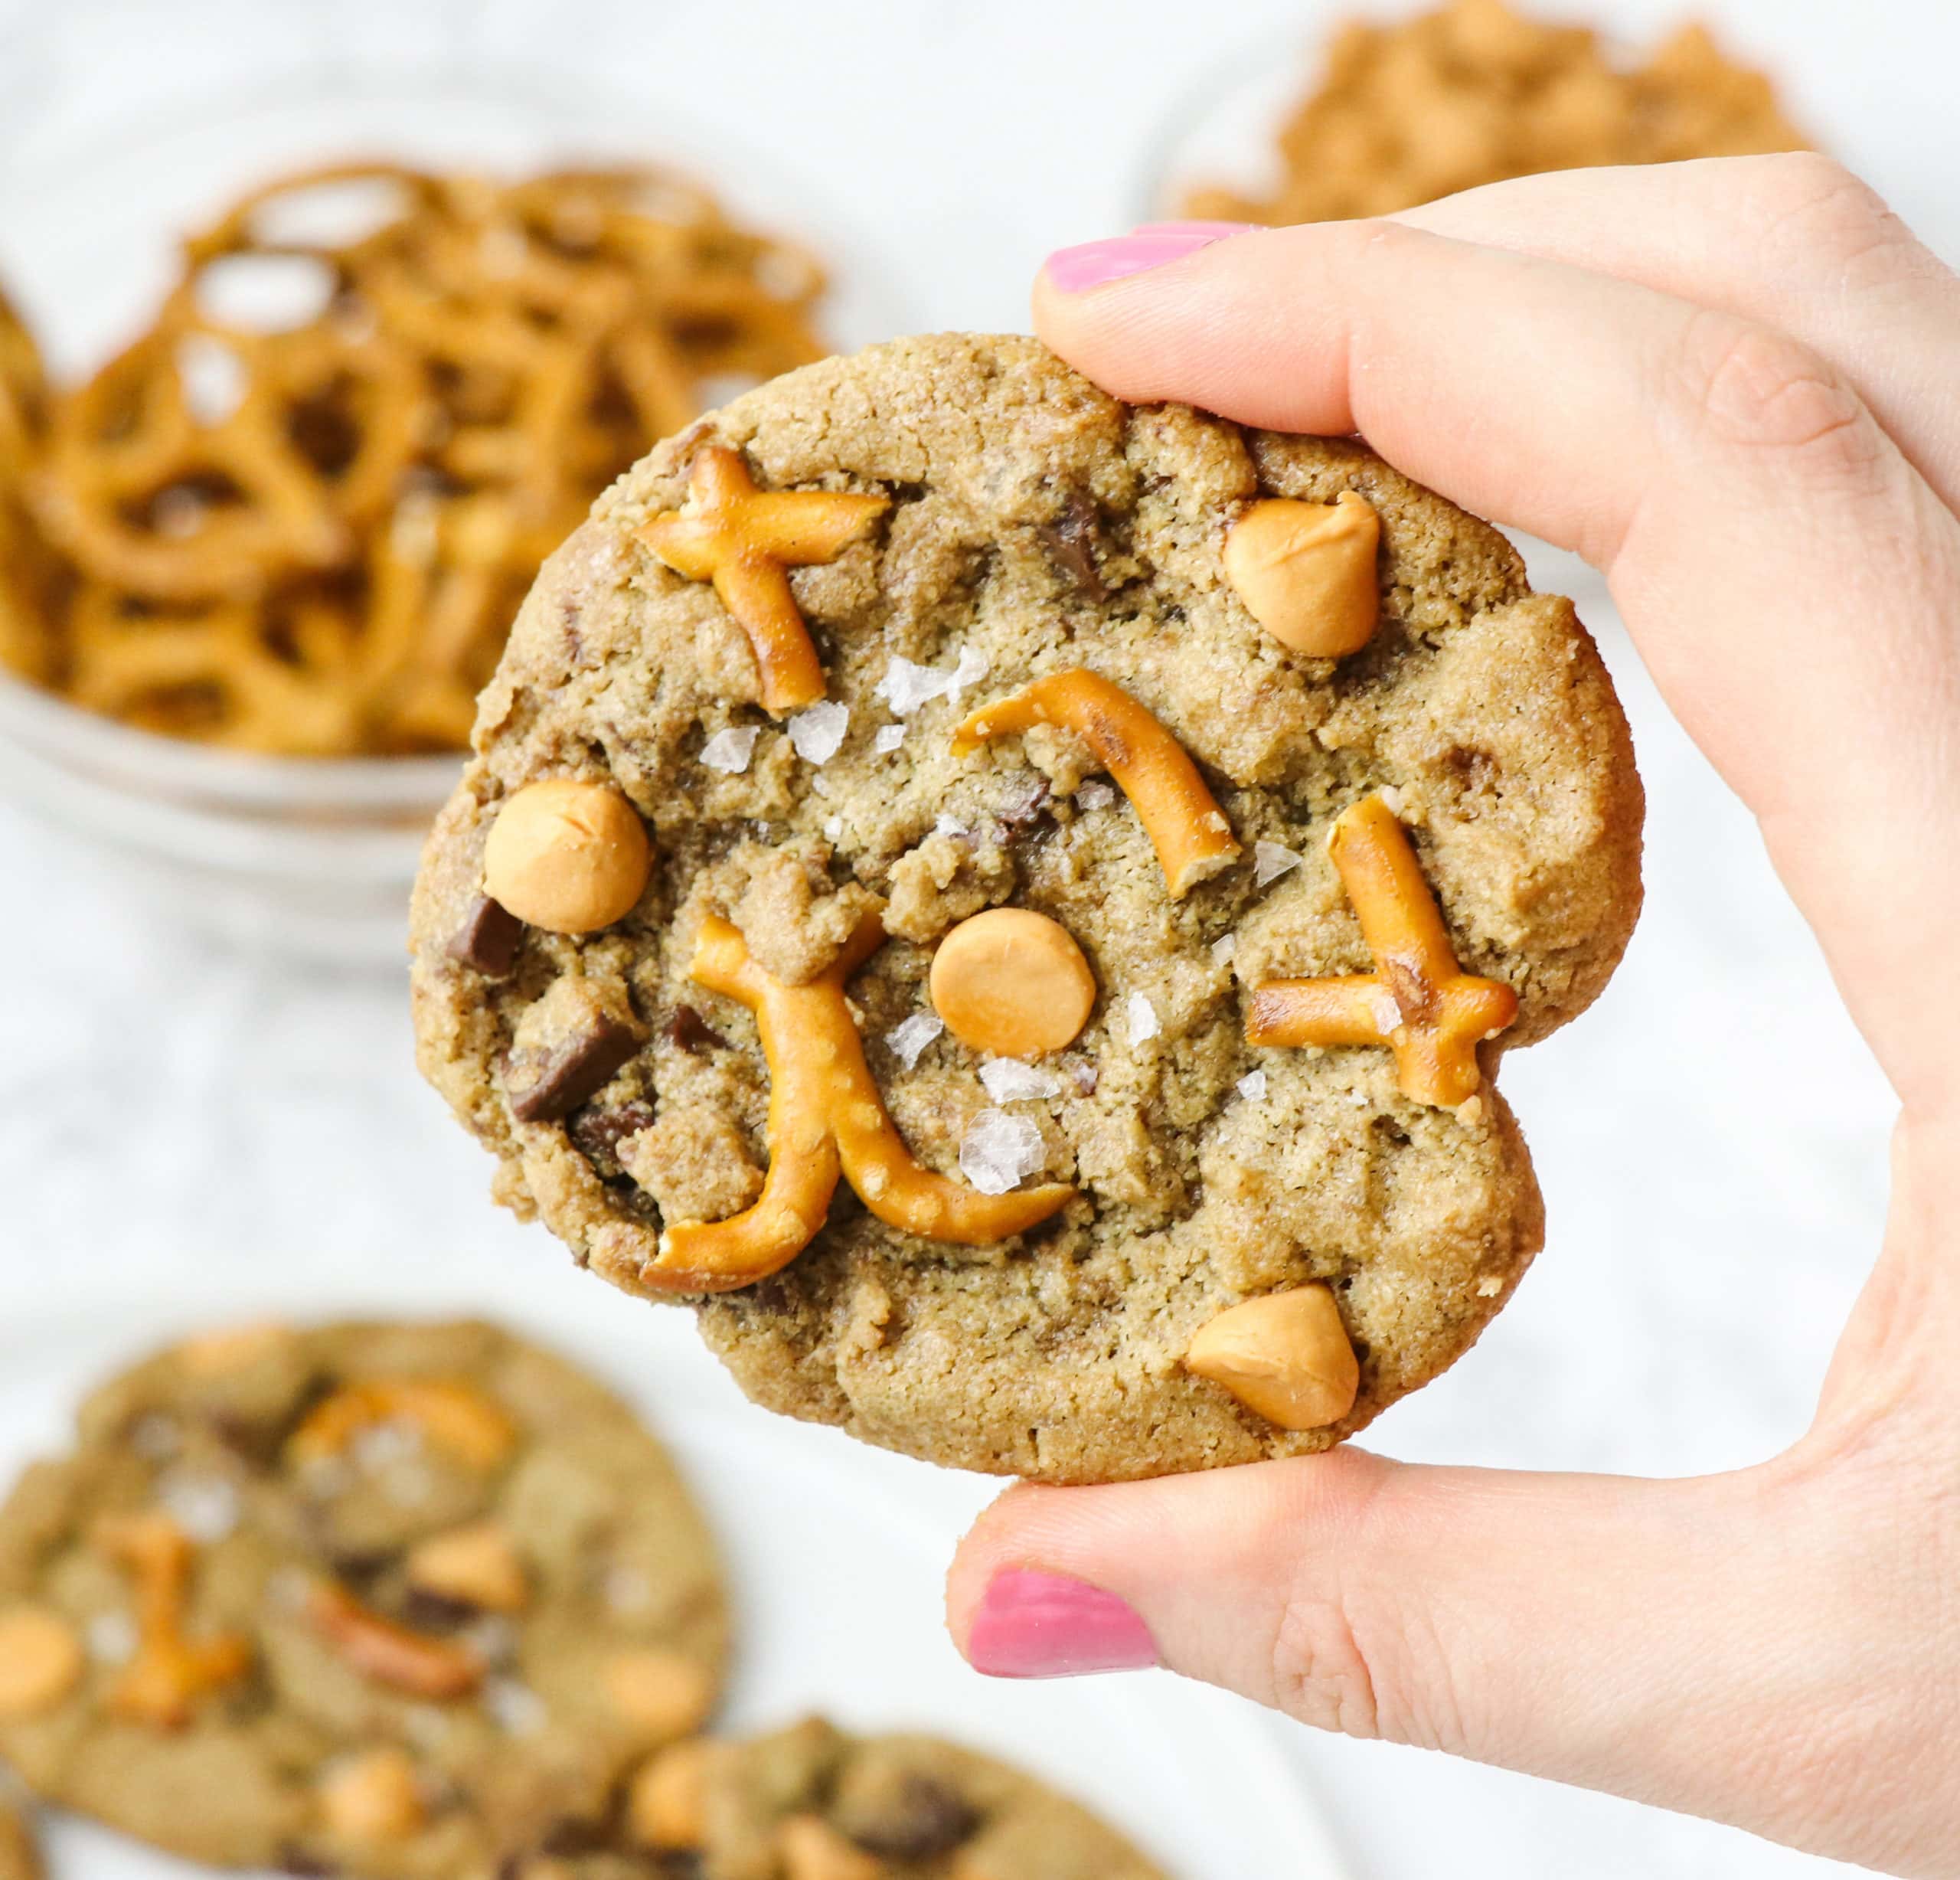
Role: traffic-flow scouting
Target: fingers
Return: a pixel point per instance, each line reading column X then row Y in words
column 1653, row 1640
column 1795, row 242
column 1791, row 579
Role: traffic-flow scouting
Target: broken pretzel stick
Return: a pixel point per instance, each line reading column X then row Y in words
column 391, row 1654
column 162, row 1683
column 1418, row 1000
column 825, row 1117
column 1189, row 832
column 745, row 541
column 454, row 1416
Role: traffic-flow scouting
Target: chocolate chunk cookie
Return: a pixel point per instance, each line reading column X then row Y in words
column 1021, row 901
column 810, row 1802
column 375, row 1599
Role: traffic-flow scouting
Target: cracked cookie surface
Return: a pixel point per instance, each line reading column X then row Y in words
column 371, row 1599
column 1032, row 527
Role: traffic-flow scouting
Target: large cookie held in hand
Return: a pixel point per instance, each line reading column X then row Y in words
column 1013, row 903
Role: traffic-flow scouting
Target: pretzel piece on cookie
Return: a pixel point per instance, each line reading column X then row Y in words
column 825, row 1117
column 1191, row 835
column 454, row 1416
column 1418, row 1000
column 745, row 541
column 161, row 1685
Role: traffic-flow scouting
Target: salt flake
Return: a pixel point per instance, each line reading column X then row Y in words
column 1252, row 1086
column 1094, row 795
column 1272, row 860
column 952, row 826
column 907, row 685
column 1223, row 948
column 999, row 1152
column 729, row 751
column 818, row 732
column 1007, row 1080
column 888, row 740
column 205, row 1506
column 1145, row 1024
column 518, row 1710
column 910, row 1037
column 833, row 828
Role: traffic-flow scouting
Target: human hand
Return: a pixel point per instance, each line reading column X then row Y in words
column 1734, row 388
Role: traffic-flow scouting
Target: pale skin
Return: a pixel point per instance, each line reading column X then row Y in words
column 1734, row 388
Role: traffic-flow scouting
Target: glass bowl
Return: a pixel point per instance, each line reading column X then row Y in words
column 312, row 857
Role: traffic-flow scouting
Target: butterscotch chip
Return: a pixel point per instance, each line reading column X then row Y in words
column 1306, row 572
column 375, row 1797
column 1129, row 768
column 666, row 1799
column 1014, row 983
column 662, row 1695
column 812, row 1849
column 40, row 1660
column 568, row 856
column 473, row 1566
column 1286, row 1355
column 214, row 1354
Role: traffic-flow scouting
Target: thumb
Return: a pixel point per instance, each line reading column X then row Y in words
column 1619, row 1634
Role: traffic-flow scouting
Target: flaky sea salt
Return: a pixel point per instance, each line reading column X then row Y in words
column 518, row 1710
column 205, row 1506
column 833, row 829
column 1387, row 1015
column 112, row 1638
column 910, row 1036
column 1094, row 795
column 1272, row 860
column 1223, row 948
column 999, row 1152
column 906, row 685
column 1145, row 1024
column 729, row 751
column 818, row 733
column 1008, row 1080
column 889, row 737
column 952, row 826
column 1252, row 1086
column 213, row 377
column 493, row 1639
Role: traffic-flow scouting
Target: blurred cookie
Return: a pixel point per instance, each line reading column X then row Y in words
column 383, row 1599
column 25, row 570
column 810, row 1802
column 1473, row 93
column 1015, row 901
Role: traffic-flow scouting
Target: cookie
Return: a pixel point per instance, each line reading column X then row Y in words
column 23, row 568
column 810, row 1802
column 20, row 1853
column 1089, row 862
column 379, row 1599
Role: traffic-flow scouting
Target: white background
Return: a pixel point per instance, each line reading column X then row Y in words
column 1711, row 1138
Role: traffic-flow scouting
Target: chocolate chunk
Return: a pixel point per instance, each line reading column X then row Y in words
column 579, row 1068
column 1070, row 541
column 424, row 1611
column 686, row 1028
column 488, row 939
column 922, row 1821
column 1023, row 808
column 597, row 1131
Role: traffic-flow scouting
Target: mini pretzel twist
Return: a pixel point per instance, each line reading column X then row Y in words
column 391, row 1654
column 1191, row 835
column 825, row 1117
column 454, row 1416
column 162, row 1684
column 1418, row 1000
column 744, row 541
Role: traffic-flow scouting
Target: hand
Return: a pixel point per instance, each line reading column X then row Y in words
column 1735, row 388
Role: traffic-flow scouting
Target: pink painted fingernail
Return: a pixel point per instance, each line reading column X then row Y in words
column 1096, row 263
column 1045, row 1625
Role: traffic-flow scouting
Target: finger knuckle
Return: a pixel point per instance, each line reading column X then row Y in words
column 1320, row 1673
column 1754, row 391
column 1815, row 204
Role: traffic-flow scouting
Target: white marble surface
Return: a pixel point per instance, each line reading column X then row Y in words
column 1711, row 1138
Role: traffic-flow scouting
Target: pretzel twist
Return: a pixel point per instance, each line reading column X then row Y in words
column 161, row 1685
column 826, row 1118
